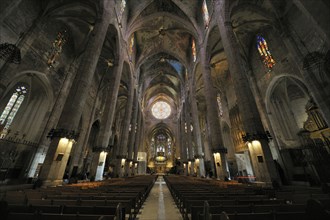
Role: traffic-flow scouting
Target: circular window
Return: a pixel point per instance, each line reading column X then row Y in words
column 161, row 110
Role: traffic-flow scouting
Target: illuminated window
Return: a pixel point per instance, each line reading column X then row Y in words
column 193, row 49
column 161, row 110
column 12, row 106
column 161, row 137
column 131, row 48
column 206, row 16
column 185, row 127
column 169, row 146
column 219, row 105
column 264, row 52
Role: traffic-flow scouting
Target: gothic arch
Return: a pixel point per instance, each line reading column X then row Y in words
column 286, row 99
column 29, row 119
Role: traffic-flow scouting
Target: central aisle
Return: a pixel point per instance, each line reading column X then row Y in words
column 159, row 205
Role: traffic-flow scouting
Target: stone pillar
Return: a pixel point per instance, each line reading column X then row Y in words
column 97, row 165
column 129, row 162
column 267, row 124
column 137, row 139
column 196, row 131
column 54, row 116
column 108, row 115
column 213, row 124
column 66, row 132
column 102, row 145
column 189, row 140
column 142, row 164
column 262, row 160
column 125, row 132
column 183, row 142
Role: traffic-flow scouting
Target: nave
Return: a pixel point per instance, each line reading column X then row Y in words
column 227, row 101
column 159, row 204
column 169, row 197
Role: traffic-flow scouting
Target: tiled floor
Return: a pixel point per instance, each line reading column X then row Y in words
column 159, row 205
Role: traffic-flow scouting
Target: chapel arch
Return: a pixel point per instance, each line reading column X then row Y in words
column 286, row 101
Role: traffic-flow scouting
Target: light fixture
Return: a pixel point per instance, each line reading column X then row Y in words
column 109, row 62
column 160, row 157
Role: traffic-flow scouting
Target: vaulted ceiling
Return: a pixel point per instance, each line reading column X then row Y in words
column 163, row 31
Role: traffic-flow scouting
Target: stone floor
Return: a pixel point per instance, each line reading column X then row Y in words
column 159, row 205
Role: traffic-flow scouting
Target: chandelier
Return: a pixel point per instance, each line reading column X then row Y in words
column 10, row 53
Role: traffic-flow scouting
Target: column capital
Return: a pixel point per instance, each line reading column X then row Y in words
column 102, row 148
column 121, row 157
column 63, row 133
column 199, row 156
column 248, row 137
column 221, row 150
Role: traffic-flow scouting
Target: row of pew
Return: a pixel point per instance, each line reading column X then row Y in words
column 201, row 199
column 119, row 199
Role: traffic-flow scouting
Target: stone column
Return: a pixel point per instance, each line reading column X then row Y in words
column 183, row 138
column 213, row 125
column 63, row 137
column 125, row 132
column 262, row 160
column 189, row 140
column 137, row 140
column 108, row 115
column 102, row 145
column 196, row 131
column 54, row 116
column 142, row 165
column 129, row 161
column 274, row 145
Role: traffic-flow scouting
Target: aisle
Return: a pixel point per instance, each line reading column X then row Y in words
column 159, row 205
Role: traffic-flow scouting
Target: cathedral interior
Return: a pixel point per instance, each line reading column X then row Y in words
column 228, row 90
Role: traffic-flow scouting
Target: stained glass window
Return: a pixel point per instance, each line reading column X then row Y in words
column 131, row 48
column 264, row 52
column 206, row 16
column 169, row 147
column 12, row 106
column 219, row 105
column 193, row 49
column 161, row 110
